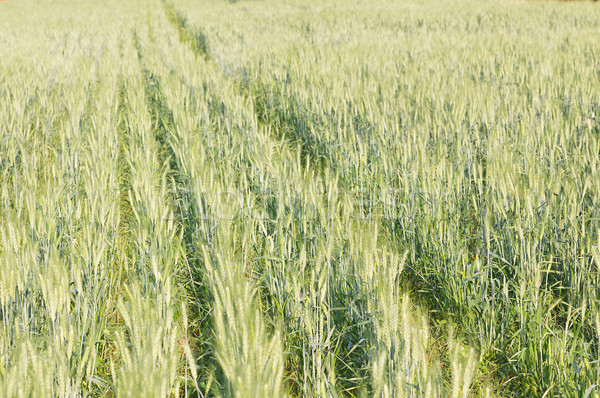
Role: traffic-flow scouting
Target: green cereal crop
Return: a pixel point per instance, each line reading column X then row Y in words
column 298, row 198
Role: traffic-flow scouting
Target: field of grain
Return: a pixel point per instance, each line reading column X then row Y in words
column 299, row 198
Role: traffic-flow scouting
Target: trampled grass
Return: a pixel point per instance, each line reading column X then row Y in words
column 305, row 199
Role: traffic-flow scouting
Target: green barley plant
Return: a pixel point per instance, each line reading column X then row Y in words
column 304, row 199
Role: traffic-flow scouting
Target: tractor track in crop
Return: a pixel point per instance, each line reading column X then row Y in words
column 186, row 213
column 283, row 113
column 288, row 119
column 291, row 128
column 196, row 40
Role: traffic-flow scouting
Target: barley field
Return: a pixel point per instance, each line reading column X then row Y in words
column 299, row 198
